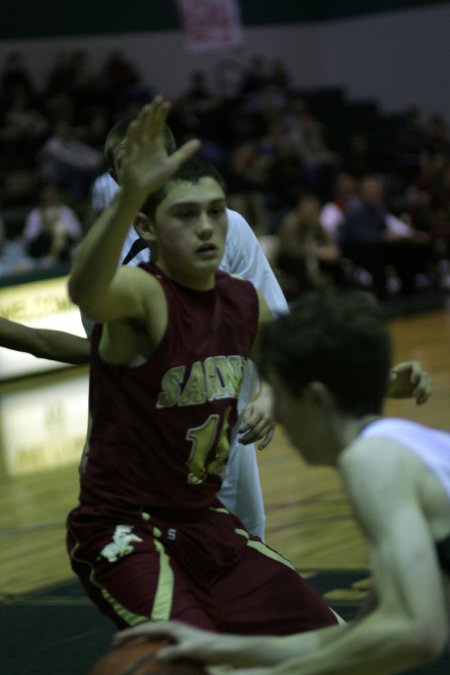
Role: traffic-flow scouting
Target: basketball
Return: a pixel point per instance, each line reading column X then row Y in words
column 139, row 658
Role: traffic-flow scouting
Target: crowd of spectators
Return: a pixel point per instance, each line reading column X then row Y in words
column 338, row 192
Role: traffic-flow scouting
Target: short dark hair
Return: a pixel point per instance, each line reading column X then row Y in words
column 191, row 171
column 340, row 340
column 118, row 132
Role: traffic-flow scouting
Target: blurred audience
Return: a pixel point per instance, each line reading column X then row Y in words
column 345, row 192
column 408, row 144
column 273, row 143
column 22, row 129
column 52, row 229
column 374, row 239
column 248, row 182
column 320, row 164
column 13, row 256
column 15, row 73
column 66, row 161
column 307, row 255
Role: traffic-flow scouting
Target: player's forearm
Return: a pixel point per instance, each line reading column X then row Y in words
column 97, row 257
column 262, row 651
column 64, row 347
column 371, row 647
column 42, row 343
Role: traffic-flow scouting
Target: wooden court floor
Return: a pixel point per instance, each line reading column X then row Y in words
column 308, row 518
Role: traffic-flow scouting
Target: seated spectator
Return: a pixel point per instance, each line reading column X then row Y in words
column 255, row 76
column 22, row 130
column 84, row 89
column 374, row 239
column 96, row 127
column 306, row 253
column 51, row 230
column 198, row 113
column 278, row 75
column 441, row 204
column 408, row 144
column 285, row 166
column 198, row 92
column 13, row 257
column 437, row 137
column 248, row 180
column 15, row 73
column 428, row 210
column 121, row 79
column 345, row 191
column 320, row 164
column 66, row 161
column 361, row 157
column 59, row 78
column 292, row 116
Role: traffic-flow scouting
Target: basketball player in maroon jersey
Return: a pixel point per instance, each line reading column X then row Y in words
column 150, row 539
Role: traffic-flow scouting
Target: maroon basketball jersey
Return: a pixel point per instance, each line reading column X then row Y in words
column 160, row 430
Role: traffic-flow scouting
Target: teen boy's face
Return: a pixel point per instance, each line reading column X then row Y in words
column 190, row 226
column 300, row 417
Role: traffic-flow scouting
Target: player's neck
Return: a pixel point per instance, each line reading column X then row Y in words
column 198, row 281
column 353, row 426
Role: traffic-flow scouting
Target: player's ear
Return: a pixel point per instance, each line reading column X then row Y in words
column 145, row 228
column 320, row 395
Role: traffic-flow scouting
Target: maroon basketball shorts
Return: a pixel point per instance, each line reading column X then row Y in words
column 205, row 570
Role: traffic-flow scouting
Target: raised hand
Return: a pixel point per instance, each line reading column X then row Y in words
column 146, row 164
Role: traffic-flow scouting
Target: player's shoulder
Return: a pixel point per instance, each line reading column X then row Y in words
column 241, row 242
column 237, row 225
column 231, row 279
column 141, row 275
column 235, row 218
column 371, row 456
column 234, row 285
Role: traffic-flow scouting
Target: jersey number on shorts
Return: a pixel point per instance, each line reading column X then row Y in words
column 213, row 432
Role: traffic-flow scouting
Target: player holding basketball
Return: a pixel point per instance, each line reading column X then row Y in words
column 328, row 363
column 150, row 539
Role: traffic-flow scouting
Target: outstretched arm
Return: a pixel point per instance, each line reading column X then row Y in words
column 44, row 344
column 101, row 290
column 241, row 651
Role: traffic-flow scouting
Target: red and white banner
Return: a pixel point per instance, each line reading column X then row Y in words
column 210, row 24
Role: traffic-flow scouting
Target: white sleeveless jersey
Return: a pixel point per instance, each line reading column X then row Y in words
column 432, row 446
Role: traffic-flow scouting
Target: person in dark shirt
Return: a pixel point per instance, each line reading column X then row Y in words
column 373, row 239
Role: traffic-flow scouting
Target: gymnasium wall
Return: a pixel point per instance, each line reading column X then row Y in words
column 398, row 56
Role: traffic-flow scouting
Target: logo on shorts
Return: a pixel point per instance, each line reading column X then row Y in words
column 121, row 544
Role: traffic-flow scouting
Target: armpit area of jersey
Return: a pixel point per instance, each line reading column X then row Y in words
column 443, row 551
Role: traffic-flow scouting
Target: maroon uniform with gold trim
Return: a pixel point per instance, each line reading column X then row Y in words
column 150, row 540
column 161, row 428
